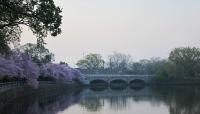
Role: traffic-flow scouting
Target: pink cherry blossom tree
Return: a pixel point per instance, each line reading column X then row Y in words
column 20, row 65
column 61, row 72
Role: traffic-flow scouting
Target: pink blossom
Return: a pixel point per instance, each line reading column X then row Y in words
column 59, row 71
column 20, row 65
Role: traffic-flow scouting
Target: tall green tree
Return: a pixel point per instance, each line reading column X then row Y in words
column 41, row 16
column 92, row 62
column 185, row 62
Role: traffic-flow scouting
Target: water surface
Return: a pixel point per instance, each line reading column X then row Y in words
column 62, row 100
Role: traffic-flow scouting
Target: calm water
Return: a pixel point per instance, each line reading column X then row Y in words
column 61, row 100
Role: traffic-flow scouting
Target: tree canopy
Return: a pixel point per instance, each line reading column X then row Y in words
column 39, row 55
column 185, row 62
column 41, row 16
column 92, row 62
column 118, row 62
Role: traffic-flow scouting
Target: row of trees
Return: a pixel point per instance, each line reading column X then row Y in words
column 118, row 63
column 183, row 62
column 34, row 66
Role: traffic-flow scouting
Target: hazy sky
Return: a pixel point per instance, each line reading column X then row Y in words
column 141, row 28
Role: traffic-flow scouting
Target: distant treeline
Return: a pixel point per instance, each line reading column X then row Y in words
column 144, row 66
column 182, row 63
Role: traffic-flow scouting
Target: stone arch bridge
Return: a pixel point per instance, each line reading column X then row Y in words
column 89, row 78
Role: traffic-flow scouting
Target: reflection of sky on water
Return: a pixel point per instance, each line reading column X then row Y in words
column 138, row 108
column 118, row 103
column 154, row 100
column 52, row 100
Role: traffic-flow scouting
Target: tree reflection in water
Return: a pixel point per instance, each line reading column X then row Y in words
column 93, row 104
column 51, row 100
column 179, row 100
column 45, row 100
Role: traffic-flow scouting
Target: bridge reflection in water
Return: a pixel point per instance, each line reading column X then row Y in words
column 177, row 100
column 57, row 100
column 52, row 99
column 109, row 92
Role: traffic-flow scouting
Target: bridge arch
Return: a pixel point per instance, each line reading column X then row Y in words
column 98, row 82
column 137, row 83
column 118, row 84
column 118, row 81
